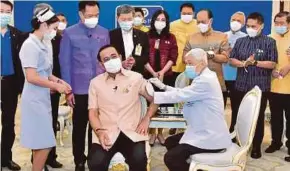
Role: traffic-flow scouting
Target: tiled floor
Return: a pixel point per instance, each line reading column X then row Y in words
column 273, row 162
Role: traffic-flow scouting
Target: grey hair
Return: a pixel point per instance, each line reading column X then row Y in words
column 41, row 6
column 240, row 13
column 198, row 54
column 125, row 9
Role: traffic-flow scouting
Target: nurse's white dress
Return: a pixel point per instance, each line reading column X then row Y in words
column 36, row 117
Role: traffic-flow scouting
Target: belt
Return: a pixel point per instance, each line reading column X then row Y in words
column 6, row 77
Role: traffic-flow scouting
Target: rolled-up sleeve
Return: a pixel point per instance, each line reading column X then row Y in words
column 65, row 58
column 29, row 55
column 93, row 96
column 142, row 86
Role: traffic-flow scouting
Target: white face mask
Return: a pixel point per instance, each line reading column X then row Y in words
column 235, row 26
column 91, row 22
column 138, row 21
column 113, row 65
column 160, row 25
column 126, row 25
column 203, row 27
column 61, row 26
column 186, row 18
column 49, row 35
column 252, row 32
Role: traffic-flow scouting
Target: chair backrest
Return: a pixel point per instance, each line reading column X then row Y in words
column 248, row 116
column 181, row 81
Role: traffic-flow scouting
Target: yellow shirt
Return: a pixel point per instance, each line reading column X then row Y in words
column 281, row 86
column 142, row 28
column 181, row 31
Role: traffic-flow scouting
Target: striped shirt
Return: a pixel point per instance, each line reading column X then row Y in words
column 243, row 49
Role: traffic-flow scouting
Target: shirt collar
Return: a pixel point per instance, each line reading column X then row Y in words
column 123, row 72
column 37, row 41
column 208, row 33
column 127, row 32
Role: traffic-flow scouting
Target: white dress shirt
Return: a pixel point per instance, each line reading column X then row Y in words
column 128, row 42
column 203, row 111
column 233, row 37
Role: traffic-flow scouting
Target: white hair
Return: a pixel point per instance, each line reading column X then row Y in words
column 198, row 54
column 240, row 13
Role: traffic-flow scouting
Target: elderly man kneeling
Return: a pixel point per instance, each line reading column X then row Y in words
column 207, row 130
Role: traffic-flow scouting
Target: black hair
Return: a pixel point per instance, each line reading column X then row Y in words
column 35, row 23
column 7, row 3
column 189, row 5
column 209, row 13
column 283, row 14
column 84, row 3
column 60, row 14
column 165, row 31
column 103, row 48
column 256, row 16
column 137, row 9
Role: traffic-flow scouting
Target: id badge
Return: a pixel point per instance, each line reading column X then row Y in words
column 156, row 45
column 138, row 50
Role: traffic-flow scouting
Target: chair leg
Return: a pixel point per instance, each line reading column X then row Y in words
column 61, row 129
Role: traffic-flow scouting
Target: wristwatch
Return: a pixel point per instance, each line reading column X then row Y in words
column 255, row 63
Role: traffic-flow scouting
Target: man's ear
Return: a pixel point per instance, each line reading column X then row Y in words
column 81, row 15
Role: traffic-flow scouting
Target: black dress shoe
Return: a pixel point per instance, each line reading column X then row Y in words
column 11, row 165
column 54, row 164
column 256, row 154
column 272, row 148
column 287, row 159
column 80, row 167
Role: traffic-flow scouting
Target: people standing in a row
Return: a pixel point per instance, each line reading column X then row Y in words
column 55, row 96
column 162, row 55
column 279, row 99
column 79, row 46
column 255, row 57
column 36, row 126
column 131, row 43
column 11, row 83
column 237, row 22
column 215, row 43
column 182, row 29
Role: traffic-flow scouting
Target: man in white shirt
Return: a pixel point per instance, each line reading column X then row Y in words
column 237, row 22
column 203, row 110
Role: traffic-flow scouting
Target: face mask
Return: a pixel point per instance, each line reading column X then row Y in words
column 91, row 22
column 126, row 25
column 203, row 27
column 190, row 72
column 186, row 18
column 281, row 29
column 160, row 25
column 235, row 26
column 113, row 66
column 252, row 32
column 50, row 35
column 61, row 26
column 5, row 19
column 138, row 21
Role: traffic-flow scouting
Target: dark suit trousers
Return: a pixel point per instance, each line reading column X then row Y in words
column 9, row 99
column 54, row 106
column 80, row 122
column 259, row 134
column 177, row 154
column 280, row 103
column 133, row 152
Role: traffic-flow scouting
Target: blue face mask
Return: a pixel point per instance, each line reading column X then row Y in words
column 126, row 25
column 5, row 19
column 190, row 72
column 281, row 29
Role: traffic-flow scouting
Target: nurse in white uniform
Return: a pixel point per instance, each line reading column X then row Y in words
column 36, row 117
column 207, row 131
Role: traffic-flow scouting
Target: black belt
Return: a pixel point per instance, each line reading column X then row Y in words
column 7, row 77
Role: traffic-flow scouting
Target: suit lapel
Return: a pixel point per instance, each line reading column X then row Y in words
column 122, row 46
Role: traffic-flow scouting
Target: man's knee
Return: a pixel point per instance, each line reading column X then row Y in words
column 169, row 158
column 98, row 160
column 138, row 161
